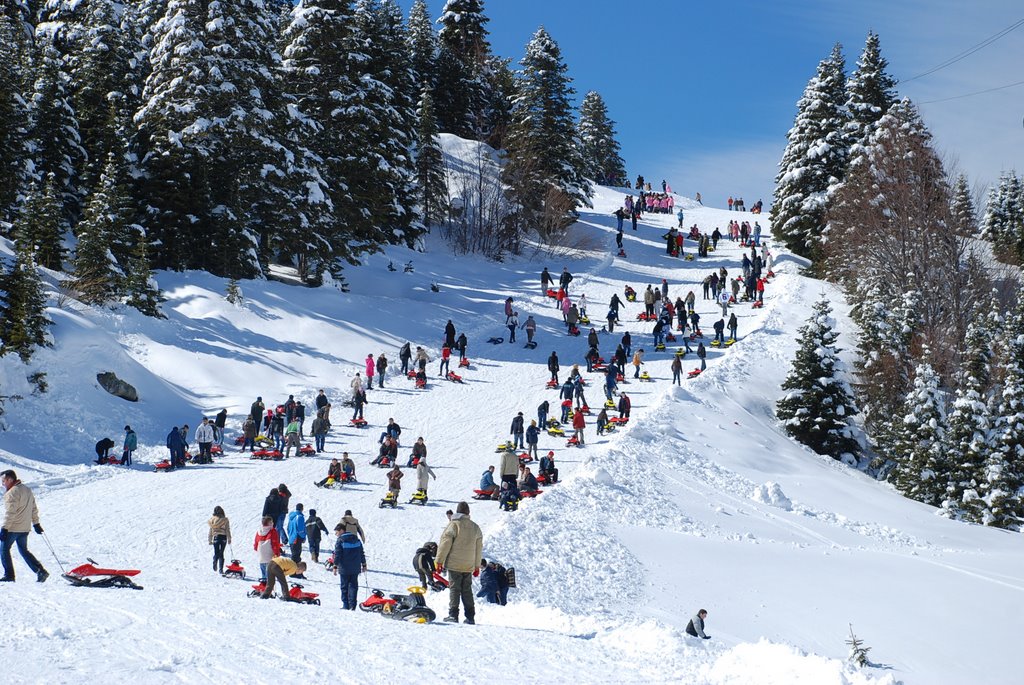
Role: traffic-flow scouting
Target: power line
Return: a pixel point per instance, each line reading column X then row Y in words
column 979, row 92
column 967, row 53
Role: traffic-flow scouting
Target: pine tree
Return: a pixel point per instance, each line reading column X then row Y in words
column 41, row 225
column 871, row 92
column 14, row 151
column 818, row 408
column 105, row 224
column 430, row 174
column 1003, row 223
column 55, row 134
column 544, row 167
column 23, row 321
column 814, row 160
column 964, row 217
column 920, row 440
column 233, row 294
column 140, row 289
column 423, row 47
column 968, row 437
column 599, row 148
column 462, row 94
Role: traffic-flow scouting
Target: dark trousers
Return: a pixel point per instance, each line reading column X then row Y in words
column 349, row 590
column 297, row 550
column 405, row 365
column 219, row 543
column 319, row 439
column 461, row 587
column 275, row 574
column 204, row 453
column 21, row 540
column 126, row 458
column 542, row 419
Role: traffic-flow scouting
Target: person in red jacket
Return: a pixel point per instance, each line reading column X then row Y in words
column 446, row 353
column 760, row 290
column 267, row 545
column 579, row 422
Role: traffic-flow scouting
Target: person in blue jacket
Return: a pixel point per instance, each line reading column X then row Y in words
column 176, row 445
column 131, row 443
column 532, row 436
column 349, row 562
column 297, row 532
column 487, row 483
column 493, row 582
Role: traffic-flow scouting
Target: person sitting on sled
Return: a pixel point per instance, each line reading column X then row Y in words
column 333, row 471
column 348, row 467
column 528, row 482
column 487, row 483
column 548, row 469
column 389, row 451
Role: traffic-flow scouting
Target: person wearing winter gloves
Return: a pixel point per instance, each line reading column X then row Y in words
column 460, row 551
column 20, row 514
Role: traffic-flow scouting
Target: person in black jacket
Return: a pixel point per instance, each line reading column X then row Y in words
column 103, row 448
column 517, row 430
column 565, row 279
column 460, row 345
column 404, row 355
column 272, row 505
column 702, row 354
column 423, row 563
column 314, row 527
column 553, row 366
column 696, row 625
column 449, row 334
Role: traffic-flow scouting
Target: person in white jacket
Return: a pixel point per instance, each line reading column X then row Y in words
column 205, row 435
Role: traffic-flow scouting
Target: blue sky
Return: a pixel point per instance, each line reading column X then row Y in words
column 703, row 93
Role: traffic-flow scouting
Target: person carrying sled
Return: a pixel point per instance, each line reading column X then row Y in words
column 333, row 471
column 351, row 525
column 103, row 448
column 423, row 564
column 20, row 515
column 696, row 625
column 278, row 571
column 297, row 531
column 314, row 528
column 423, row 475
column 220, row 537
column 131, row 443
column 460, row 551
column 267, row 545
column 349, row 562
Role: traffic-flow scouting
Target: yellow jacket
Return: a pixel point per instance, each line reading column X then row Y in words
column 286, row 565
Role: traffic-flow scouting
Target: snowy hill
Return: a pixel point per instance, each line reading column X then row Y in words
column 700, row 503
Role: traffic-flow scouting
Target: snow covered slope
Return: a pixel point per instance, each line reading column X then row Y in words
column 700, row 503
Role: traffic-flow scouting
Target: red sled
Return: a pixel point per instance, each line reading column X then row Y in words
column 267, row 455
column 240, row 440
column 643, row 316
column 89, row 575
column 573, row 442
column 670, row 338
column 411, row 375
column 111, row 460
column 295, row 593
column 758, row 304
column 694, row 373
column 621, row 421
column 552, row 384
column 464, row 362
column 358, row 423
column 163, row 466
column 437, row 582
column 218, row 450
column 529, row 493
column 307, row 450
column 552, row 293
column 485, row 494
column 585, row 409
column 421, row 382
column 525, row 458
column 234, row 570
column 454, row 377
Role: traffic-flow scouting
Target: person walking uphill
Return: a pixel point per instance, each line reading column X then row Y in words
column 349, row 562
column 220, row 537
column 297, row 532
column 545, row 281
column 267, row 545
column 20, row 515
column 460, row 551
column 314, row 527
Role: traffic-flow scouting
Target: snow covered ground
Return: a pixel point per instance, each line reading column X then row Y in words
column 700, row 503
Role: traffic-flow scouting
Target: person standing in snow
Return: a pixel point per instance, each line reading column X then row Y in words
column 421, row 359
column 461, row 343
column 371, row 369
column 256, row 411
column 20, row 514
column 205, row 436
column 349, row 562
column 702, row 354
column 314, row 527
column 461, row 550
column 176, row 446
column 382, row 367
column 356, row 384
column 404, row 355
column 696, row 625
column 350, row 524
column 291, row 437
column 545, row 281
column 219, row 423
column 446, row 355
column 220, row 537
column 131, row 443
column 565, row 279
column 297, row 531
column 553, row 366
column 423, row 475
column 531, row 328
column 513, row 324
column 267, row 545
column 449, row 334
column 517, row 431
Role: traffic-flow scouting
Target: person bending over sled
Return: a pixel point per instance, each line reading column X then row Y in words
column 423, row 563
column 103, row 448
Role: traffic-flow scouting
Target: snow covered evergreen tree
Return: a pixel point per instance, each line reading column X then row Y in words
column 964, row 217
column 23, row 321
column 430, row 174
column 814, row 160
column 817, row 407
column 462, row 92
column 423, row 47
column 14, row 150
column 544, row 167
column 55, row 135
column 871, row 91
column 41, row 224
column 140, row 288
column 920, row 440
column 1003, row 223
column 968, row 437
column 599, row 148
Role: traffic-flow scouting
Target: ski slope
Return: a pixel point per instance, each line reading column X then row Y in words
column 700, row 503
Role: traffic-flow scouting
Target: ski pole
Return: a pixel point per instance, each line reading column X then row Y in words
column 47, row 541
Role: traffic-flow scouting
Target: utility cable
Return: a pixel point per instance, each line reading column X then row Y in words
column 968, row 52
